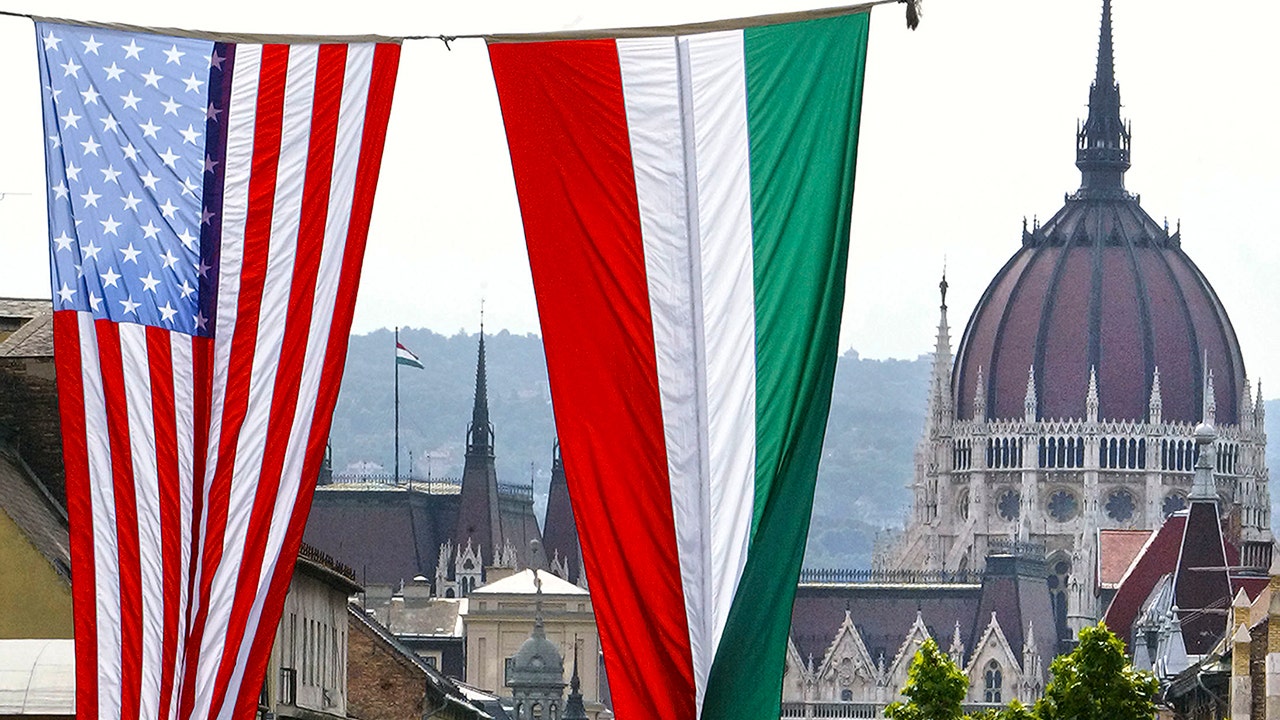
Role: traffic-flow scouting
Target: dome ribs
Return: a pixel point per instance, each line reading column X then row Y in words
column 1056, row 398
column 1144, row 315
column 979, row 339
column 1014, row 353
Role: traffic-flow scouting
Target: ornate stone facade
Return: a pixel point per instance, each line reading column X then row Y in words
column 1073, row 398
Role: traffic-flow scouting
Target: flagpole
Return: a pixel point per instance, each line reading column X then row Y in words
column 396, row 350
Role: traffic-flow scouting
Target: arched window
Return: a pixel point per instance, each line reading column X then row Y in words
column 1079, row 452
column 535, row 711
column 846, row 695
column 993, row 681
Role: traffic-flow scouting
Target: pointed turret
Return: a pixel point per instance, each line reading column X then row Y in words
column 1246, row 402
column 479, row 521
column 1260, row 410
column 1155, row 406
column 980, row 398
column 1029, row 403
column 559, row 532
column 956, row 651
column 1210, row 402
column 1102, row 142
column 940, row 410
column 1202, row 488
column 1091, row 398
column 574, row 709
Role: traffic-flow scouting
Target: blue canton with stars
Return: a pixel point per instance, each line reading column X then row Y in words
column 126, row 117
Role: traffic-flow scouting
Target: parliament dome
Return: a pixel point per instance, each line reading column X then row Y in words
column 1100, row 287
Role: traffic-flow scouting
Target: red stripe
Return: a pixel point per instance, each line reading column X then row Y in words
column 284, row 399
column 382, row 85
column 565, row 117
column 253, row 270
column 126, row 505
column 202, row 399
column 164, row 418
column 75, row 458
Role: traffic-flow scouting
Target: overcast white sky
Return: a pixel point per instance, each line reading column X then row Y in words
column 968, row 125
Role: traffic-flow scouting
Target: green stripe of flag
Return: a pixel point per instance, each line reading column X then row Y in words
column 804, row 98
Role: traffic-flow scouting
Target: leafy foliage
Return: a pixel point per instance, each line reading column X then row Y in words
column 935, row 688
column 1096, row 681
column 1013, row 711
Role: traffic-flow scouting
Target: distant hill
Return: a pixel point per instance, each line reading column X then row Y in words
column 877, row 413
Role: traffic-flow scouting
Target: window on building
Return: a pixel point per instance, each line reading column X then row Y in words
column 1121, row 505
column 993, row 681
column 1173, row 502
column 1008, row 504
column 846, row 695
column 1062, row 505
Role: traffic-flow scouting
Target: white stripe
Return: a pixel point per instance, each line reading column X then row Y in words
column 718, row 77
column 273, row 311
column 342, row 186
column 656, row 127
column 240, row 117
column 184, row 414
column 142, row 451
column 106, row 557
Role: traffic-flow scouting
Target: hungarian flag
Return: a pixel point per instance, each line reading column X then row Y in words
column 208, row 207
column 405, row 357
column 686, row 202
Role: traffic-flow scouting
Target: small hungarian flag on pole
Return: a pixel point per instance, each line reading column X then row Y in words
column 405, row 357
column 686, row 204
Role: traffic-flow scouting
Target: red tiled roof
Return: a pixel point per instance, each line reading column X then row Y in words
column 1157, row 558
column 1117, row 549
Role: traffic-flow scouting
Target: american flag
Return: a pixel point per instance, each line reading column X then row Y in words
column 208, row 209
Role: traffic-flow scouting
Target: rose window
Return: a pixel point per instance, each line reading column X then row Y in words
column 1008, row 504
column 1120, row 505
column 1062, row 506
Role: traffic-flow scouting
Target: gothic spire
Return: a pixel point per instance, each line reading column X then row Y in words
column 574, row 709
column 1102, row 143
column 480, row 432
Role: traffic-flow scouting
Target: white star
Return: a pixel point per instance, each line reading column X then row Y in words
column 131, row 202
column 55, row 141
column 114, row 72
column 94, row 302
column 110, row 124
column 70, row 119
column 65, row 293
column 110, row 173
column 168, row 208
column 90, row 96
column 167, row 312
column 188, row 239
column 200, row 320
column 149, row 282
column 91, row 45
column 51, row 42
column 205, row 216
column 130, row 101
column 110, row 277
column 188, row 187
column 149, row 129
column 174, row 55
column 110, row 225
column 90, row 146
column 131, row 50
column 149, row 180
column 215, row 60
column 189, row 135
column 73, row 172
column 152, row 78
column 169, row 260
column 210, row 164
column 130, row 254
column 193, row 83
column 59, row 190
column 150, row 230
column 70, row 68
column 186, row 289
column 63, row 242
column 170, row 157
column 130, row 152
column 130, row 306
column 202, row 269
column 90, row 198
column 212, row 112
column 170, row 107
column 90, row 250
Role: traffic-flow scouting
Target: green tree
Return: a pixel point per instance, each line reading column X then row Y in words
column 1013, row 711
column 935, row 688
column 1096, row 681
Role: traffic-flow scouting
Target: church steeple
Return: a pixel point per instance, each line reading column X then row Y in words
column 1102, row 143
column 480, row 431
